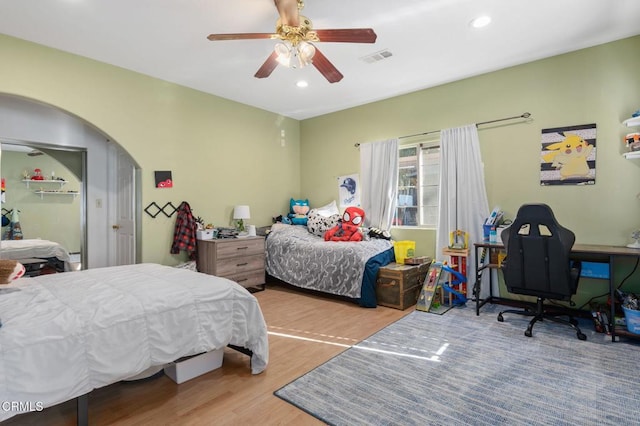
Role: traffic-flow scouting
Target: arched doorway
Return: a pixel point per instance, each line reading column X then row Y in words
column 39, row 126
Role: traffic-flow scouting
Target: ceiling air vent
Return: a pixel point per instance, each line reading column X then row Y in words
column 377, row 56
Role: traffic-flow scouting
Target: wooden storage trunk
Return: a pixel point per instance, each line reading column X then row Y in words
column 398, row 285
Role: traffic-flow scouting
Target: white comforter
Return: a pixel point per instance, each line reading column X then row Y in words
column 63, row 335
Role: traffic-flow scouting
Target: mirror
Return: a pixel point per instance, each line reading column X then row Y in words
column 46, row 186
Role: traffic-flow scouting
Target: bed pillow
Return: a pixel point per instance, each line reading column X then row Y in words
column 328, row 210
column 318, row 224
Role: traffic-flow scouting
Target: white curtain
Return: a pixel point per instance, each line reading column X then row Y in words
column 379, row 182
column 463, row 196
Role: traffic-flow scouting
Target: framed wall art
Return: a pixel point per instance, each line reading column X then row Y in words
column 163, row 179
column 568, row 155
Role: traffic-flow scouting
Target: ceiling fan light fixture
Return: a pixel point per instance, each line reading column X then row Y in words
column 283, row 53
column 305, row 52
column 296, row 36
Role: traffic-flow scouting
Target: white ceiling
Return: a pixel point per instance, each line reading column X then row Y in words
column 430, row 40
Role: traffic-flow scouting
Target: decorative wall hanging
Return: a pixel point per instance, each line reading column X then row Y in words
column 349, row 190
column 153, row 209
column 568, row 155
column 163, row 179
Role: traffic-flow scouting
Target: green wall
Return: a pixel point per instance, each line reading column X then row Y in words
column 596, row 85
column 220, row 152
column 49, row 217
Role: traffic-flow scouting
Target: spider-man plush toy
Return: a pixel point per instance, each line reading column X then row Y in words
column 349, row 228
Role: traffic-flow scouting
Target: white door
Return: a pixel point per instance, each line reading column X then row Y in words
column 122, row 232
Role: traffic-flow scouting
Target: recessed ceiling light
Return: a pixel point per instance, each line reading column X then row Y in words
column 481, row 21
column 302, row 83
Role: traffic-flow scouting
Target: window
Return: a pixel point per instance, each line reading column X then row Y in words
column 418, row 183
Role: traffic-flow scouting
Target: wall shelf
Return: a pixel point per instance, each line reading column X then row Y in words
column 43, row 193
column 631, row 155
column 632, row 122
column 57, row 182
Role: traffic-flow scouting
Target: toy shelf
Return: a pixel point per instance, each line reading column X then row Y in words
column 631, row 155
column 30, row 181
column 43, row 193
column 632, row 122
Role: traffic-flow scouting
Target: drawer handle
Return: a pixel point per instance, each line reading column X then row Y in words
column 242, row 264
column 242, row 248
column 244, row 279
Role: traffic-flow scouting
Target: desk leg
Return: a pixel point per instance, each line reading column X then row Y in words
column 612, row 297
column 476, row 285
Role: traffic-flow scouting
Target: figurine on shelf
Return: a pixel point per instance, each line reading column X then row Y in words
column 37, row 175
column 632, row 140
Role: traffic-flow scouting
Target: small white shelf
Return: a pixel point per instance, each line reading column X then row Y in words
column 632, row 122
column 632, row 154
column 43, row 193
column 30, row 181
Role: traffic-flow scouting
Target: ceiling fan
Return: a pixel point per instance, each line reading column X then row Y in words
column 296, row 48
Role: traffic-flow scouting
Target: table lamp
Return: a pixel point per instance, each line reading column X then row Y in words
column 240, row 213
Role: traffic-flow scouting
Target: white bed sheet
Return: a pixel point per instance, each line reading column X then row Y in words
column 24, row 249
column 66, row 334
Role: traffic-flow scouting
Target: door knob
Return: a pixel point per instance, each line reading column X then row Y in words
column 115, row 227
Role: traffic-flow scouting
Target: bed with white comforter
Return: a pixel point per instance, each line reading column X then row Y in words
column 35, row 248
column 63, row 335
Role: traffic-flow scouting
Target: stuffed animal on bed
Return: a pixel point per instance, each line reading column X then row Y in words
column 298, row 211
column 349, row 228
column 10, row 270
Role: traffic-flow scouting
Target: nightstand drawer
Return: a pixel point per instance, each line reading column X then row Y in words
column 236, row 265
column 240, row 247
column 249, row 279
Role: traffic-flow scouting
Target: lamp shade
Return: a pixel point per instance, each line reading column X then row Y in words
column 241, row 212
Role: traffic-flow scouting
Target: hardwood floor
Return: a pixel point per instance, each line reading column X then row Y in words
column 304, row 331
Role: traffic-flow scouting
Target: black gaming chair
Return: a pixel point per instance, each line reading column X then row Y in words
column 538, row 264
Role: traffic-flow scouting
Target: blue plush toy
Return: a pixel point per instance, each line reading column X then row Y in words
column 298, row 210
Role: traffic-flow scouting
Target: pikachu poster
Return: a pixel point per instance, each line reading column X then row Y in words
column 568, row 155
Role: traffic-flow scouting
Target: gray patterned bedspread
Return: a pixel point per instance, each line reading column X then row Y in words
column 299, row 258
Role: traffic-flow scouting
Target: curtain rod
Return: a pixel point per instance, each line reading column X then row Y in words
column 523, row 115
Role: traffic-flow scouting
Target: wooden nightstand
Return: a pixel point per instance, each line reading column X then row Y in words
column 238, row 259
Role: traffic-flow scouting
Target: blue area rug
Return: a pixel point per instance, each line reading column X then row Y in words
column 460, row 369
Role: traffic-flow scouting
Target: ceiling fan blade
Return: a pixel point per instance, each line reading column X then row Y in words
column 326, row 68
column 348, row 35
column 269, row 65
column 240, row 36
